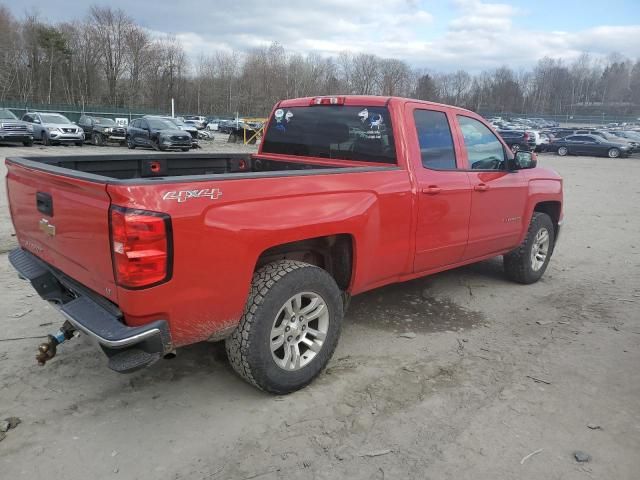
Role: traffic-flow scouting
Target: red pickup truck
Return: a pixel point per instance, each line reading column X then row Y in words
column 147, row 253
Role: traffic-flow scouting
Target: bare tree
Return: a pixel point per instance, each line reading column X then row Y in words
column 111, row 28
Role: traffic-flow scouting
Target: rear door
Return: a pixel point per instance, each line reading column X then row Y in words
column 499, row 196
column 65, row 222
column 444, row 191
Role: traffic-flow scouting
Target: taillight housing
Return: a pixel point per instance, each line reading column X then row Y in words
column 141, row 247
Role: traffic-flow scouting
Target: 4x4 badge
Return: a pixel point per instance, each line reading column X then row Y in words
column 184, row 195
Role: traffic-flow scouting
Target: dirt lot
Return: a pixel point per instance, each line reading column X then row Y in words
column 496, row 372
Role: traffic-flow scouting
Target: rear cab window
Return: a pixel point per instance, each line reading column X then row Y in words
column 436, row 142
column 337, row 132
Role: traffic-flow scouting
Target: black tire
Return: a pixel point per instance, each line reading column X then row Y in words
column 518, row 263
column 130, row 144
column 248, row 347
column 28, row 143
column 613, row 153
column 98, row 139
column 563, row 151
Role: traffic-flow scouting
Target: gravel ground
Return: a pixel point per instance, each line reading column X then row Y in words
column 501, row 381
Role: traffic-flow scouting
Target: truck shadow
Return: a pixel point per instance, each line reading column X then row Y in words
column 414, row 306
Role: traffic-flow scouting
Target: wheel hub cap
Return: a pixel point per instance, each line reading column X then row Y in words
column 540, row 249
column 299, row 331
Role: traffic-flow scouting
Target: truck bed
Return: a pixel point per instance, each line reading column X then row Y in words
column 162, row 167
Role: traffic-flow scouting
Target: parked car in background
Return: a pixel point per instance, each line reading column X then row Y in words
column 518, row 140
column 589, row 145
column 158, row 134
column 53, row 128
column 198, row 121
column 226, row 126
column 101, row 130
column 212, row 123
column 13, row 130
column 182, row 125
column 610, row 137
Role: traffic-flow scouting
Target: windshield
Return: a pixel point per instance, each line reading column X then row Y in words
column 332, row 131
column 105, row 121
column 54, row 119
column 7, row 115
column 159, row 124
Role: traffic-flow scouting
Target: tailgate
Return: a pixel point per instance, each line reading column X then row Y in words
column 65, row 222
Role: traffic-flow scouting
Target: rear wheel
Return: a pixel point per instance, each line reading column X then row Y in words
column 527, row 263
column 563, row 151
column 130, row 144
column 289, row 329
column 613, row 153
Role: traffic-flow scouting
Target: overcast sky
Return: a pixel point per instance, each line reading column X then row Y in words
column 441, row 35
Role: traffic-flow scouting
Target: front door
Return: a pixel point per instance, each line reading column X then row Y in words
column 444, row 191
column 499, row 196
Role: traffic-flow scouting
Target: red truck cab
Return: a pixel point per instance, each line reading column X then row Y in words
column 151, row 252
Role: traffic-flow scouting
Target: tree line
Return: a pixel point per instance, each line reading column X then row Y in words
column 108, row 59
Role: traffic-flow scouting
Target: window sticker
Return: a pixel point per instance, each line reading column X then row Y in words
column 279, row 114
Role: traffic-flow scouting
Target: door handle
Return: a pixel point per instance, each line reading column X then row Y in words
column 481, row 187
column 431, row 190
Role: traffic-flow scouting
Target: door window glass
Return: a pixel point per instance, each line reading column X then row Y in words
column 484, row 150
column 435, row 139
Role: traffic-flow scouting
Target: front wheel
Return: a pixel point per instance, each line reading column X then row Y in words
column 98, row 139
column 130, row 144
column 527, row 263
column 613, row 153
column 289, row 329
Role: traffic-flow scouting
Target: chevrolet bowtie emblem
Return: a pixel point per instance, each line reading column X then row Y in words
column 47, row 228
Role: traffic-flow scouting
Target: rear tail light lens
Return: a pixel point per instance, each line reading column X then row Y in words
column 141, row 247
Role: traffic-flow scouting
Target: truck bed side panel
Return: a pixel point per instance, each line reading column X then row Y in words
column 217, row 241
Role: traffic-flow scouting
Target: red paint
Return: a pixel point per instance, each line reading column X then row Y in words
column 404, row 223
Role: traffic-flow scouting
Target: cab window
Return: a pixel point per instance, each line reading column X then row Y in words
column 435, row 139
column 484, row 150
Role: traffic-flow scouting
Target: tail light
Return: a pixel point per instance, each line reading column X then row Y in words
column 141, row 247
column 327, row 101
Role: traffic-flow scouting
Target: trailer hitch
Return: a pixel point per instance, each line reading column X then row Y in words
column 48, row 349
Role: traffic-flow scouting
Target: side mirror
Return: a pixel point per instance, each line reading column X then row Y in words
column 524, row 160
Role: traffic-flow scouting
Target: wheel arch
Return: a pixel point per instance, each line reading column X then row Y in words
column 333, row 253
column 553, row 208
